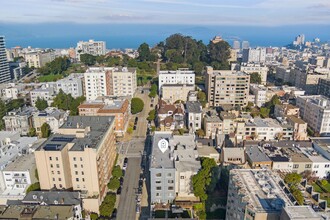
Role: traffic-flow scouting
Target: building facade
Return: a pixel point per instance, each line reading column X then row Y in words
column 172, row 93
column 180, row 76
column 4, row 66
column 80, row 156
column 20, row 120
column 38, row 59
column 92, row 47
column 71, row 85
column 227, row 87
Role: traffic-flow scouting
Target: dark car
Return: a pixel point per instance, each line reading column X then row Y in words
column 151, row 105
column 119, row 190
column 125, row 160
column 114, row 214
column 136, row 119
column 134, row 128
column 140, row 183
column 121, row 180
column 124, row 171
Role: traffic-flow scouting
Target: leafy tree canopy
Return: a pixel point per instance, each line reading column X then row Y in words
column 88, row 59
column 45, row 130
column 114, row 184
column 292, row 179
column 255, row 78
column 57, row 66
column 41, row 104
column 117, row 172
column 136, row 105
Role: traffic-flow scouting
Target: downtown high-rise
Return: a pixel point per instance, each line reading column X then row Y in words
column 4, row 67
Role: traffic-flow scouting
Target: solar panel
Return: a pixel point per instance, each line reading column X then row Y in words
column 52, row 147
column 63, row 139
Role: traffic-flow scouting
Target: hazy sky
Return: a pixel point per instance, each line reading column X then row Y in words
column 213, row 12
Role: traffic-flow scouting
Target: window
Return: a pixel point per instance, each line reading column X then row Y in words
column 58, row 172
column 158, row 174
column 158, row 181
column 52, row 171
column 82, row 173
column 59, row 179
column 56, row 158
column 50, row 158
column 81, row 159
column 82, row 166
column 51, row 166
column 327, row 166
column 295, row 166
column 61, row 186
column 57, row 166
column 158, row 188
column 169, row 174
column 77, row 179
column 157, row 194
column 74, row 159
column 182, row 177
column 83, row 179
column 170, row 188
column 170, row 181
column 76, row 172
column 75, row 165
column 308, row 165
column 53, row 179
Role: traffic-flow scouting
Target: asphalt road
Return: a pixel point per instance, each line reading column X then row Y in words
column 142, row 123
column 127, row 202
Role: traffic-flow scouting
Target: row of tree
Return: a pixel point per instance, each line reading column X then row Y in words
column 57, row 66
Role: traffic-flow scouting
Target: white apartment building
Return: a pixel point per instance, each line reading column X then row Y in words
column 46, row 92
column 255, row 68
column 180, row 76
column 263, row 129
column 315, row 110
column 10, row 91
column 4, row 67
column 71, row 85
column 109, row 81
column 257, row 55
column 38, row 59
column 260, row 94
column 90, row 47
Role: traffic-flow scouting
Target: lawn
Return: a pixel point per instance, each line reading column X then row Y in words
column 317, row 188
column 327, row 187
column 50, row 78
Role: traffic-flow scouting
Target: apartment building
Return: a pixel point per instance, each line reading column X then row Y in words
column 79, row 157
column 299, row 128
column 174, row 92
column 91, row 47
column 308, row 81
column 106, row 106
column 180, row 76
column 54, row 117
column 73, row 84
column 315, row 110
column 212, row 124
column 46, row 92
column 263, row 129
column 253, row 193
column 225, row 87
column 324, row 87
column 285, row 109
column 250, row 68
column 110, row 81
column 194, row 115
column 173, row 163
column 4, row 66
column 260, row 94
column 38, row 59
column 20, row 120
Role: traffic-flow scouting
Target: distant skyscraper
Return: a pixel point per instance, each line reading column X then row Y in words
column 4, row 67
column 245, row 45
column 300, row 40
column 236, row 45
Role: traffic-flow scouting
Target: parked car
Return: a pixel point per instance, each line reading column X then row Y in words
column 114, row 214
column 119, row 190
column 121, row 180
column 138, row 208
column 125, row 160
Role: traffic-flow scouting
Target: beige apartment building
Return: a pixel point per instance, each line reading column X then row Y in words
column 226, row 87
column 79, row 157
column 299, row 128
column 38, row 59
column 174, row 92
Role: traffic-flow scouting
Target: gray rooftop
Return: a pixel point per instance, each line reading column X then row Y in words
column 99, row 125
column 194, row 107
column 254, row 153
column 51, row 198
column 158, row 158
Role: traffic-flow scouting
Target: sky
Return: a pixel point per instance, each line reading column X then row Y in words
column 197, row 12
column 128, row 23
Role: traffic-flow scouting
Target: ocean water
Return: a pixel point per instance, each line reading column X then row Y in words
column 65, row 35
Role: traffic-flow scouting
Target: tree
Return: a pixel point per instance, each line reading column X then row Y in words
column 108, row 205
column 3, row 112
column 32, row 132
column 114, row 183
column 33, row 187
column 94, row 216
column 41, row 104
column 129, row 130
column 324, row 182
column 264, row 112
column 292, row 179
column 45, row 130
column 219, row 53
column 202, row 98
column 136, row 105
column 198, row 67
column 200, row 133
column 57, row 66
column 255, row 78
column 67, row 102
column 144, row 52
column 152, row 115
column 117, row 172
column 88, row 59
column 153, row 91
column 203, row 178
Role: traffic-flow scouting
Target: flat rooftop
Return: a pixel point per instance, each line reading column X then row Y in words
column 158, row 158
column 22, row 163
column 301, row 212
column 194, row 106
column 53, row 197
column 98, row 125
column 260, row 189
column 256, row 155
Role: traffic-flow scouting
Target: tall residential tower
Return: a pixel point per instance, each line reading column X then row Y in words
column 4, row 67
